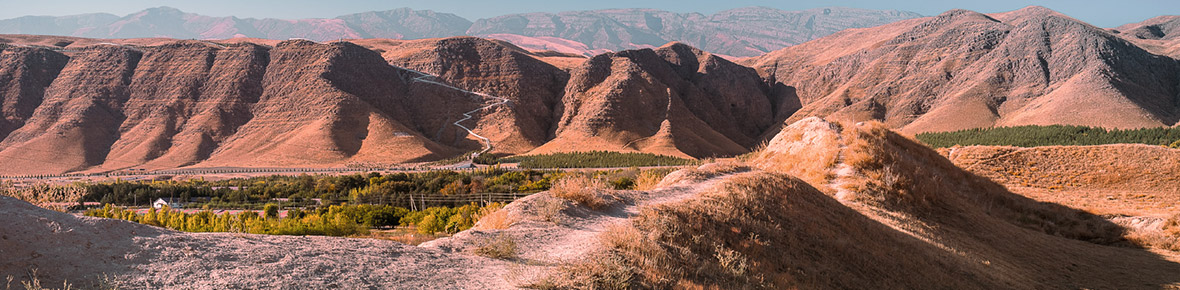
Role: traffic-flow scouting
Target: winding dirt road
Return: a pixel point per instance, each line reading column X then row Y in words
column 425, row 78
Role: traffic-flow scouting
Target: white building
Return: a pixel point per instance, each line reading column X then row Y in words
column 170, row 202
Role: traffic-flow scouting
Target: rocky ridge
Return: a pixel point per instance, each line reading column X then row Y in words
column 964, row 69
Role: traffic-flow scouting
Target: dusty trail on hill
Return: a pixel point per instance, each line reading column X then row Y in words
column 573, row 233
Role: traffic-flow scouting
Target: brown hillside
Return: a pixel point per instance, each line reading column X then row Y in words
column 331, row 103
column 1160, row 35
column 964, row 69
column 200, row 103
column 499, row 69
column 674, row 100
column 1109, row 179
column 989, row 235
column 1162, row 28
column 79, row 117
column 186, row 98
column 24, row 76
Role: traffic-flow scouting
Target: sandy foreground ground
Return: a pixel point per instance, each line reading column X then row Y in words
column 78, row 249
column 86, row 250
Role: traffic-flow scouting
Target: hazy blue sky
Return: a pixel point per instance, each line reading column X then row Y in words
column 1106, row 13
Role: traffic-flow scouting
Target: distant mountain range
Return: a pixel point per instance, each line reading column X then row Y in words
column 739, row 32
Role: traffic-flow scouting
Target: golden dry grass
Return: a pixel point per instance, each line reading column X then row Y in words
column 887, row 166
column 691, row 245
column 586, row 190
column 500, row 246
column 881, row 168
column 497, row 219
column 1119, row 179
column 648, row 179
column 753, row 231
column 1167, row 238
column 808, row 149
column 703, row 172
column 45, row 195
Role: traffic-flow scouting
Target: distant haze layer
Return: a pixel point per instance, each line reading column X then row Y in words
column 738, row 32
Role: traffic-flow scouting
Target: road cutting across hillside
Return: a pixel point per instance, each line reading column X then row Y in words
column 425, row 78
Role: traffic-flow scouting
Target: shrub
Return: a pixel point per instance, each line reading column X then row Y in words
column 493, row 217
column 550, row 209
column 649, row 178
column 584, row 190
column 622, row 183
column 501, row 246
column 271, row 211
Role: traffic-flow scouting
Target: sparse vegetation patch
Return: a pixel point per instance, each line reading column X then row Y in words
column 501, row 246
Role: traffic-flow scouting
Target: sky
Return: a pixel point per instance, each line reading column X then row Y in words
column 1105, row 13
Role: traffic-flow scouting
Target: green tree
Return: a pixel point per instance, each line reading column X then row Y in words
column 271, row 211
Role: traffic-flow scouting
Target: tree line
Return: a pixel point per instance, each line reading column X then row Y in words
column 394, row 189
column 335, row 220
column 594, row 159
column 1032, row 136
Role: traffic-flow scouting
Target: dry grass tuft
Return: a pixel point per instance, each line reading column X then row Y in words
column 550, row 209
column 52, row 197
column 585, row 190
column 703, row 172
column 888, row 166
column 501, row 246
column 493, row 218
column 33, row 282
column 1167, row 238
column 649, row 179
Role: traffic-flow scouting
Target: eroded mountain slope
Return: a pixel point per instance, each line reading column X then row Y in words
column 964, row 69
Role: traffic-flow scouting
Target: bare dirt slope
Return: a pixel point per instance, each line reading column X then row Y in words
column 1110, row 179
column 674, row 100
column 964, row 69
column 1160, row 35
column 985, row 231
column 533, row 86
